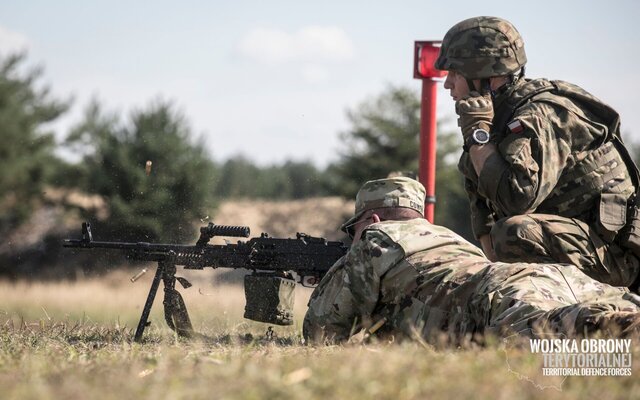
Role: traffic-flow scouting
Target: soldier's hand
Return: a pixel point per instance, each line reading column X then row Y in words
column 475, row 112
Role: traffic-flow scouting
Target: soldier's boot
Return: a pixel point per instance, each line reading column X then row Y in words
column 588, row 319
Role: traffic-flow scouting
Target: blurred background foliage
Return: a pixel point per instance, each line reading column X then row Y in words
column 27, row 160
column 159, row 201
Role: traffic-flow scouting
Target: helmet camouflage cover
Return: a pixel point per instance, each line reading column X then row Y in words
column 389, row 192
column 482, row 47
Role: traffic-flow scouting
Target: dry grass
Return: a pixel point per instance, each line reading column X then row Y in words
column 73, row 341
column 115, row 301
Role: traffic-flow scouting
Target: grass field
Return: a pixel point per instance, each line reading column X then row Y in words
column 73, row 340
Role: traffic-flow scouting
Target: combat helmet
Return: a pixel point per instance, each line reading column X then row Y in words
column 482, row 47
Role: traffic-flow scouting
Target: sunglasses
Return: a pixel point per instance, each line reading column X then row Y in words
column 350, row 228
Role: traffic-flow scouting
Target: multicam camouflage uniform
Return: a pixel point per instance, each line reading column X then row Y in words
column 424, row 279
column 559, row 186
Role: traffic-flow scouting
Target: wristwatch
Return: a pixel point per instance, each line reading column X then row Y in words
column 478, row 137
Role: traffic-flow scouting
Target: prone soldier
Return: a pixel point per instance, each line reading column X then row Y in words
column 405, row 276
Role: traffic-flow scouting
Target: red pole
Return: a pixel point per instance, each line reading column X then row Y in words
column 424, row 57
column 427, row 163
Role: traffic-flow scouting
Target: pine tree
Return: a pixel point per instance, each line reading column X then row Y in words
column 156, row 179
column 26, row 144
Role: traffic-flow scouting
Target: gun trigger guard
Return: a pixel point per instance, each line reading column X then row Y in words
column 185, row 283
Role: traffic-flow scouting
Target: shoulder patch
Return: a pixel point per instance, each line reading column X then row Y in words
column 515, row 126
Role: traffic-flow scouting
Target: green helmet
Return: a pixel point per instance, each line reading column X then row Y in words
column 482, row 47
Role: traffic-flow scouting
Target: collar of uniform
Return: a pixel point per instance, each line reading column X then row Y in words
column 503, row 93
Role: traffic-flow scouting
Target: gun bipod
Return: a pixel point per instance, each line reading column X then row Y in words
column 175, row 310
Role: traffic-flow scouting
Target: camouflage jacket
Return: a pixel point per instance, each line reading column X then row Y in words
column 389, row 273
column 423, row 280
column 555, row 156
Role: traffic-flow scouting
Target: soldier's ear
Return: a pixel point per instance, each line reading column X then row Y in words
column 375, row 218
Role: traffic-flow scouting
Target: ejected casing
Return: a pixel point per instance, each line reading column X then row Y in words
column 138, row 275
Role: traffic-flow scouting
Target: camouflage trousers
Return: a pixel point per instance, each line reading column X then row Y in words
column 542, row 238
column 532, row 300
column 556, row 298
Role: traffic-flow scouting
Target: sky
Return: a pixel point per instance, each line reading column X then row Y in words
column 273, row 80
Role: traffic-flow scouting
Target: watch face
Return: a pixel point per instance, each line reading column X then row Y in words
column 481, row 136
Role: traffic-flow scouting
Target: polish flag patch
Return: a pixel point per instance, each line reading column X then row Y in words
column 515, row 126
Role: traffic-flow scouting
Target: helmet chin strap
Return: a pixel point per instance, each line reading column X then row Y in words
column 472, row 86
column 485, row 86
column 521, row 72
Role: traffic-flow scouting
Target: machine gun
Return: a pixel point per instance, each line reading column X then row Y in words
column 275, row 263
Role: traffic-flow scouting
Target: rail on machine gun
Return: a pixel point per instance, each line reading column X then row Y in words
column 269, row 289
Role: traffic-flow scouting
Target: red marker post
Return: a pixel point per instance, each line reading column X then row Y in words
column 424, row 56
